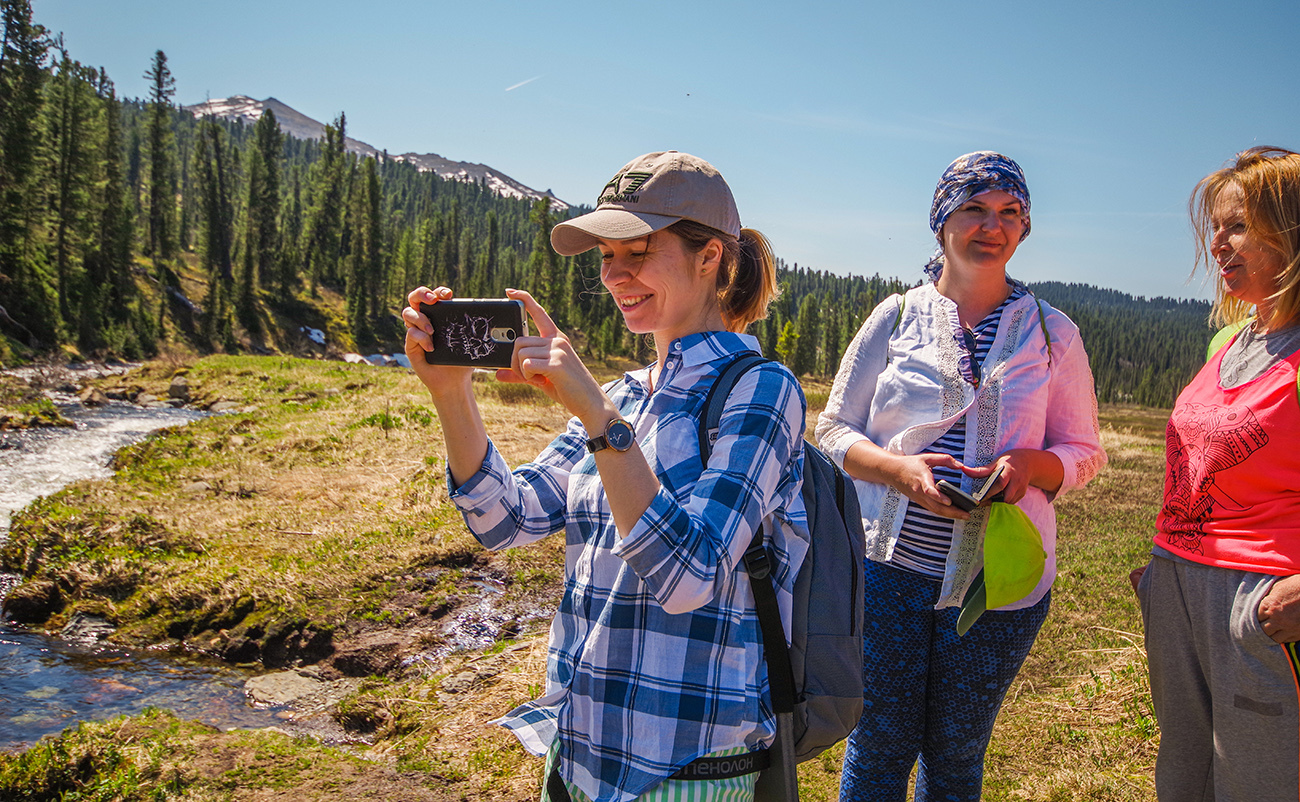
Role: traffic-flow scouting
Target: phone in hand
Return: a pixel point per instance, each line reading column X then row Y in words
column 969, row 501
column 475, row 332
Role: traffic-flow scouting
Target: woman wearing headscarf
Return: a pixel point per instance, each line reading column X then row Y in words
column 1221, row 595
column 964, row 375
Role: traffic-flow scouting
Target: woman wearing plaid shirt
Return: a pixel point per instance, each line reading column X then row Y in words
column 656, row 684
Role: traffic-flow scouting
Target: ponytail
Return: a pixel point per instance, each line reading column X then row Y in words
column 746, row 277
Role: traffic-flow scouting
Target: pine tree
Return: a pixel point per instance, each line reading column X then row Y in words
column 324, row 219
column 290, row 263
column 804, row 359
column 24, row 283
column 449, row 257
column 468, row 285
column 426, row 247
column 543, row 282
column 259, row 256
column 372, row 242
column 161, row 242
column 216, row 212
column 107, row 305
column 405, row 265
column 785, row 346
column 773, row 328
column 245, row 291
column 73, row 131
column 492, row 255
column 832, row 342
column 571, row 293
column 135, row 163
column 187, row 207
column 264, row 196
column 365, row 260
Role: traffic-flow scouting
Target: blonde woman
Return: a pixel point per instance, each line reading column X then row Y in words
column 1221, row 595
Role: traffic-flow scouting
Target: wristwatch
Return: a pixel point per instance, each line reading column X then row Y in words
column 619, row 435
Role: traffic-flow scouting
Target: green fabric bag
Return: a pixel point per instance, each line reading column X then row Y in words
column 1013, row 564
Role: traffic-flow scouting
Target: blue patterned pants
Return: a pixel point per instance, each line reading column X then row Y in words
column 929, row 694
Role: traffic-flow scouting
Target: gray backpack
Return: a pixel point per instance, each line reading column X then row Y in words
column 816, row 681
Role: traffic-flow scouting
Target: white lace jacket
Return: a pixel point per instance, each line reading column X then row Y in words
column 899, row 386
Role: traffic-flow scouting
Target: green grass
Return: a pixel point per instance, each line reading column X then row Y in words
column 305, row 503
column 155, row 757
column 21, row 405
column 324, row 509
column 1078, row 722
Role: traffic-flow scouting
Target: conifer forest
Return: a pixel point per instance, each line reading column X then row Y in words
column 127, row 224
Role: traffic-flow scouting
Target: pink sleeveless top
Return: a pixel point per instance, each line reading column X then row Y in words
column 1232, row 472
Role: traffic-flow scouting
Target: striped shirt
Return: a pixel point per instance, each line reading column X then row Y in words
column 925, row 538
column 655, row 655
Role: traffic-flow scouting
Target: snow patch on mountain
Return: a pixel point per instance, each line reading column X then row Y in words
column 300, row 126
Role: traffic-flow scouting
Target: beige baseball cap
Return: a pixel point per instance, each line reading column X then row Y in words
column 648, row 194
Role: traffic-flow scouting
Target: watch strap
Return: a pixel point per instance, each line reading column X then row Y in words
column 604, row 441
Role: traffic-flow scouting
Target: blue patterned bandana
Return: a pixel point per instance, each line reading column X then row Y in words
column 967, row 177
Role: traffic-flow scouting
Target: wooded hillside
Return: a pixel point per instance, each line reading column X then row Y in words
column 127, row 224
column 1142, row 351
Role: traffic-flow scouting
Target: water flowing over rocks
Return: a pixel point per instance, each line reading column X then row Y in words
column 39, row 461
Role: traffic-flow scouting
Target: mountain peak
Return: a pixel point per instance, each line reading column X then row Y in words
column 300, row 126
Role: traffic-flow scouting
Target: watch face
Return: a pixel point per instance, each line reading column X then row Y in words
column 620, row 435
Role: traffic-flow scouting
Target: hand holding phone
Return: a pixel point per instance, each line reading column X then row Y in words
column 969, row 501
column 475, row 332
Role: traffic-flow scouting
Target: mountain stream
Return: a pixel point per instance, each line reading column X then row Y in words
column 50, row 683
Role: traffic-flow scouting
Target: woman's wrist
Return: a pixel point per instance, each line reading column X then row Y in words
column 453, row 400
column 869, row 462
column 1042, row 468
column 598, row 418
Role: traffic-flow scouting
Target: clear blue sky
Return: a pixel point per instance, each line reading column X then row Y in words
column 831, row 122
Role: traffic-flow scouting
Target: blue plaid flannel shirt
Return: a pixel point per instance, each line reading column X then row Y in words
column 655, row 655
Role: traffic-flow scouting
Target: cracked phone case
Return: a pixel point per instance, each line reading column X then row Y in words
column 475, row 332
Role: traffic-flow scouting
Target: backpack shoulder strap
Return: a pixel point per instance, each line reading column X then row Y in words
column 716, row 400
column 1042, row 324
column 758, row 563
column 1223, row 335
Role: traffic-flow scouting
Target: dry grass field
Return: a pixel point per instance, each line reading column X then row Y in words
column 1077, row 723
column 322, row 506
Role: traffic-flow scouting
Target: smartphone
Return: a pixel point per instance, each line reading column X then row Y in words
column 475, row 332
column 969, row 501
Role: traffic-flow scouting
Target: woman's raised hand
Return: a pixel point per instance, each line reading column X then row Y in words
column 449, row 386
column 419, row 340
column 548, row 362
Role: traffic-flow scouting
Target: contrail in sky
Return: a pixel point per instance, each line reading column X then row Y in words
column 521, row 83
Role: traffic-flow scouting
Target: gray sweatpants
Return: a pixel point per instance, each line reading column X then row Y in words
column 1225, row 694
